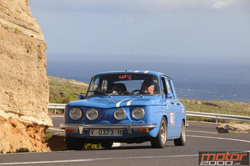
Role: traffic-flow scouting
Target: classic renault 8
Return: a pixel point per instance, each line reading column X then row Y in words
column 128, row 107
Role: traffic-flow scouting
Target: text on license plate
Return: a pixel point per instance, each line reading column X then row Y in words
column 105, row 132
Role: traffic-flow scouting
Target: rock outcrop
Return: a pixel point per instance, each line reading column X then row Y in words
column 24, row 89
column 233, row 128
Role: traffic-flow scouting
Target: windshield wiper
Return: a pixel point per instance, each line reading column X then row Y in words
column 101, row 92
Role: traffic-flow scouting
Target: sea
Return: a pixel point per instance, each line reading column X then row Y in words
column 194, row 80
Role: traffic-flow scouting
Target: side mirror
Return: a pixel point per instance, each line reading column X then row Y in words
column 169, row 96
column 81, row 97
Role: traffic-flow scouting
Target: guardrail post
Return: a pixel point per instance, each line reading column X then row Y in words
column 216, row 120
column 54, row 111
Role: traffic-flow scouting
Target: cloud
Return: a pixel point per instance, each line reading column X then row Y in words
column 158, row 4
column 221, row 4
column 135, row 6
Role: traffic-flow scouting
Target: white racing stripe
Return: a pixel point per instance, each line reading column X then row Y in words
column 129, row 102
column 146, row 72
column 96, row 159
column 136, row 71
column 118, row 104
column 228, row 139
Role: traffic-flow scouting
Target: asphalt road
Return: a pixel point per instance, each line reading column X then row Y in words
column 200, row 137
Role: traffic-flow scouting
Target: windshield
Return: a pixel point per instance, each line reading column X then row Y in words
column 124, row 84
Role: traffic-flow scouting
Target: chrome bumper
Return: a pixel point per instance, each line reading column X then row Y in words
column 127, row 127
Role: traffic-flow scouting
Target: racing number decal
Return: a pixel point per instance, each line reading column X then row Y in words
column 172, row 118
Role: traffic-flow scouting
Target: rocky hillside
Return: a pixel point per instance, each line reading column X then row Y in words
column 24, row 89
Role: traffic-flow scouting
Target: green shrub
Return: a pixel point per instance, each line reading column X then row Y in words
column 48, row 136
column 22, row 150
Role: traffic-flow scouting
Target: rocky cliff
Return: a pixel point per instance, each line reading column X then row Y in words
column 24, row 90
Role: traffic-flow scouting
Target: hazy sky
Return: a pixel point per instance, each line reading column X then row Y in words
column 185, row 30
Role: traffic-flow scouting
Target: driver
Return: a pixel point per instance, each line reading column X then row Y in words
column 116, row 89
column 148, row 86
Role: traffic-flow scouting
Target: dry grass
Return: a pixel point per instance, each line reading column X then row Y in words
column 63, row 90
column 217, row 106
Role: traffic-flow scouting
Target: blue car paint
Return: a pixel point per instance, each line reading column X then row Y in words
column 155, row 108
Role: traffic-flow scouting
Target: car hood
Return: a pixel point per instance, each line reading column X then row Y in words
column 116, row 102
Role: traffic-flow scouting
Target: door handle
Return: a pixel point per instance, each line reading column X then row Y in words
column 178, row 103
column 172, row 102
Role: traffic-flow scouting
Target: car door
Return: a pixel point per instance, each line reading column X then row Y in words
column 172, row 106
column 176, row 112
column 169, row 109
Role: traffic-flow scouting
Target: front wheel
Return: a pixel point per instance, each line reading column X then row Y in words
column 160, row 140
column 182, row 140
column 74, row 143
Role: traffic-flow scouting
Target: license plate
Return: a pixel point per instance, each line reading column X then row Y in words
column 105, row 132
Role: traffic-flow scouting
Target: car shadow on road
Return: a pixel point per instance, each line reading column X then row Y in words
column 135, row 146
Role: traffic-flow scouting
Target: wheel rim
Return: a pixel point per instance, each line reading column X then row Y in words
column 183, row 133
column 163, row 132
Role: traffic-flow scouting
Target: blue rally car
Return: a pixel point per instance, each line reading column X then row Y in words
column 126, row 106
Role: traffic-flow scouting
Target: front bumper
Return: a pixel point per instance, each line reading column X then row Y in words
column 128, row 127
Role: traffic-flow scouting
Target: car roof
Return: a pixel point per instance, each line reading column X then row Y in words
column 133, row 72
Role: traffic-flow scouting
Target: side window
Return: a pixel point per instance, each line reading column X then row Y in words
column 95, row 84
column 163, row 86
column 169, row 88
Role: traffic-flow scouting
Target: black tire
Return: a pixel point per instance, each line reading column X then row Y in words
column 74, row 143
column 107, row 144
column 182, row 140
column 160, row 140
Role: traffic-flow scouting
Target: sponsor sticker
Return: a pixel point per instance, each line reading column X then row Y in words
column 224, row 158
column 172, row 118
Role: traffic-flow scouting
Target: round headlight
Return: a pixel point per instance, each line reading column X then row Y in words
column 75, row 113
column 119, row 114
column 138, row 113
column 92, row 114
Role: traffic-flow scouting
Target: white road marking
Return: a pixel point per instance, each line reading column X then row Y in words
column 118, row 104
column 228, row 139
column 202, row 131
column 96, row 159
column 116, row 144
column 56, row 116
column 129, row 102
column 52, row 128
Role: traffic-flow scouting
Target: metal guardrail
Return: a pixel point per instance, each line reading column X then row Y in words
column 217, row 116
column 56, row 106
column 188, row 113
